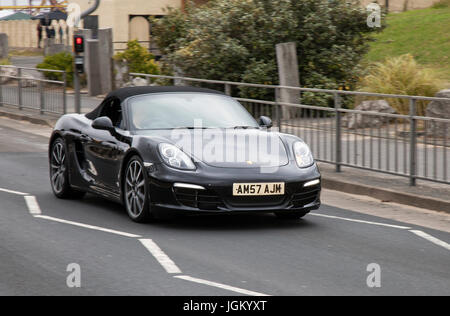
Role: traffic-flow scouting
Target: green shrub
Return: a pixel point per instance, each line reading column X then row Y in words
column 60, row 61
column 235, row 40
column 5, row 61
column 138, row 58
column 402, row 75
column 441, row 4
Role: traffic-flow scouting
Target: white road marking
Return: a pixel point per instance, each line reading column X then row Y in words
column 106, row 230
column 220, row 285
column 32, row 204
column 13, row 192
column 360, row 221
column 170, row 266
column 430, row 238
column 159, row 255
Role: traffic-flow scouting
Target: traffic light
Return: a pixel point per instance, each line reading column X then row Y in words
column 78, row 48
column 78, row 44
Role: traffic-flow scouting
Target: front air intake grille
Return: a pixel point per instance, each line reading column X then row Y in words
column 201, row 199
column 256, row 201
column 305, row 196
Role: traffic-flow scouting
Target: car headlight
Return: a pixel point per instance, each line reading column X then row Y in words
column 174, row 157
column 303, row 155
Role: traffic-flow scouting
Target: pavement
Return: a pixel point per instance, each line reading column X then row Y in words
column 28, row 62
column 329, row 252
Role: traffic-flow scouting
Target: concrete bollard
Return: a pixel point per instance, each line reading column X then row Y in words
column 92, row 62
column 289, row 76
column 106, row 52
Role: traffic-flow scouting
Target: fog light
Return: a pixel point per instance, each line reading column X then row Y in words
column 311, row 183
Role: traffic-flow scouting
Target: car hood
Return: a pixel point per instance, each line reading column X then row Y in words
column 227, row 148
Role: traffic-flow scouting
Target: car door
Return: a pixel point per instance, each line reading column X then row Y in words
column 104, row 150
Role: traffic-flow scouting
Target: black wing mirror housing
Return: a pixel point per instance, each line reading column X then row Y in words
column 265, row 121
column 103, row 123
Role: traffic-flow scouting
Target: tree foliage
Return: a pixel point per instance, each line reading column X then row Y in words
column 60, row 61
column 235, row 40
column 138, row 58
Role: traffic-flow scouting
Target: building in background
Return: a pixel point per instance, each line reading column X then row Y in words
column 129, row 19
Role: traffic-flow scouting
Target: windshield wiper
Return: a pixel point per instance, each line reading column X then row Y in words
column 190, row 127
column 243, row 127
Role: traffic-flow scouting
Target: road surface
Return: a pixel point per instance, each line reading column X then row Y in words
column 326, row 253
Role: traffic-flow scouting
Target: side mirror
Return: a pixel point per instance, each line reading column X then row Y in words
column 265, row 121
column 103, row 123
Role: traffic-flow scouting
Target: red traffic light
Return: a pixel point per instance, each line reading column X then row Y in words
column 78, row 43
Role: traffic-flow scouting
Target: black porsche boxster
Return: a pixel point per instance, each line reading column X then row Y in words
column 182, row 150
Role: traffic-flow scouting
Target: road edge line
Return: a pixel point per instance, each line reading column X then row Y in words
column 92, row 227
column 13, row 192
column 430, row 238
column 360, row 221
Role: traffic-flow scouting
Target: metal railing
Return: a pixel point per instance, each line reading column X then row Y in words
column 120, row 46
column 26, row 88
column 409, row 145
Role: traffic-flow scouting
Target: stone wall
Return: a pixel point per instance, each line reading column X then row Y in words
column 23, row 33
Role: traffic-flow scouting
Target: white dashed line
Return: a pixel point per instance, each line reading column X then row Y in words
column 430, row 238
column 32, row 204
column 13, row 192
column 360, row 221
column 219, row 285
column 159, row 255
column 106, row 230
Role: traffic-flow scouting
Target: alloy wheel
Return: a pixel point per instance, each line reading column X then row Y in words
column 58, row 167
column 135, row 190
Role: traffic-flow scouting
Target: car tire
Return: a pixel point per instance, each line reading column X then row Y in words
column 59, row 172
column 291, row 215
column 136, row 191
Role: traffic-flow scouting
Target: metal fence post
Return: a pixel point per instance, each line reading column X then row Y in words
column 412, row 143
column 1, row 87
column 64, row 92
column 228, row 89
column 19, row 88
column 337, row 106
column 41, row 97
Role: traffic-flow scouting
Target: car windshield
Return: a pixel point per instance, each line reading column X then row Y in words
column 188, row 110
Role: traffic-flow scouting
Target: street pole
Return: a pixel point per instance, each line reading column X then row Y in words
column 76, row 75
column 76, row 86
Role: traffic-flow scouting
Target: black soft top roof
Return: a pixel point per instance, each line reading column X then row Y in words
column 125, row 93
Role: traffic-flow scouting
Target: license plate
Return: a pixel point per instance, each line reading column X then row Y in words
column 249, row 189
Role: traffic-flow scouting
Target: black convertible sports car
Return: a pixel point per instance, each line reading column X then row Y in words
column 166, row 150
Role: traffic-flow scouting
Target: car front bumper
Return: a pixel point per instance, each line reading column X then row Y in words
column 217, row 196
